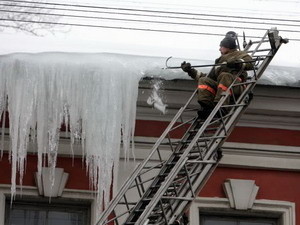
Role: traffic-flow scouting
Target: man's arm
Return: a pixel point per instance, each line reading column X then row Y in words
column 244, row 61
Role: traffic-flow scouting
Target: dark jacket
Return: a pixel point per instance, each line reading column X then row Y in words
column 231, row 56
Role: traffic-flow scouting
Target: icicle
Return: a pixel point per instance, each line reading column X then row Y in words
column 3, row 114
column 93, row 94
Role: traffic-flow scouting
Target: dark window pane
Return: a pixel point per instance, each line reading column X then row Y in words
column 235, row 220
column 219, row 222
column 29, row 213
column 257, row 223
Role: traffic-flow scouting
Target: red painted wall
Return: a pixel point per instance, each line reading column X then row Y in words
column 273, row 184
column 255, row 135
column 78, row 178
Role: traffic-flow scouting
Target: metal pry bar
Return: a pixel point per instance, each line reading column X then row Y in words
column 179, row 67
column 256, row 60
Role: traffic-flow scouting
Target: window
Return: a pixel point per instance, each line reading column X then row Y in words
column 208, row 211
column 227, row 220
column 45, row 213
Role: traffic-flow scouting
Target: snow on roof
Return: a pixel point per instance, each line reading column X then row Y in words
column 94, row 94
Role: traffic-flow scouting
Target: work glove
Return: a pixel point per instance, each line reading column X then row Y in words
column 234, row 64
column 186, row 67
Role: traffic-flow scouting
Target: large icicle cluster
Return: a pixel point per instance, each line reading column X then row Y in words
column 92, row 94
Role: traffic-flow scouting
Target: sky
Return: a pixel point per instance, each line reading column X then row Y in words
column 165, row 44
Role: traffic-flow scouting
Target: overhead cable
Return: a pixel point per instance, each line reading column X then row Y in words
column 144, row 21
column 126, row 28
column 152, row 15
column 147, row 10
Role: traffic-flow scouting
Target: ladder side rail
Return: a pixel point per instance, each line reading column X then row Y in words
column 158, row 178
column 181, row 161
column 232, row 120
column 260, row 71
column 199, row 183
column 259, row 43
column 152, row 204
column 182, row 199
column 174, row 201
column 109, row 210
column 178, row 147
column 186, row 181
column 182, row 109
column 170, row 177
column 238, row 113
column 243, row 98
column 139, row 168
column 206, row 169
column 129, row 182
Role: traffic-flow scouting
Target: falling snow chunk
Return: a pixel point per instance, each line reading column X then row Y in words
column 93, row 94
column 155, row 98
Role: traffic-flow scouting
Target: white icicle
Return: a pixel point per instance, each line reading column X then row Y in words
column 94, row 94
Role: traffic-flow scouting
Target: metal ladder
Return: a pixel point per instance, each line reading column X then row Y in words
column 162, row 187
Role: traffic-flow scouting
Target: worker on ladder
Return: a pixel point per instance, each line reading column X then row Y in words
column 229, row 65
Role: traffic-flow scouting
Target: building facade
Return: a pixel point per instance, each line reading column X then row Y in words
column 257, row 181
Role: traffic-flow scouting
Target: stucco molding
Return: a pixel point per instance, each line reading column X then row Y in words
column 240, row 193
column 244, row 155
column 261, row 156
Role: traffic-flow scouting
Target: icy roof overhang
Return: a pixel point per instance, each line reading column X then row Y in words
column 95, row 94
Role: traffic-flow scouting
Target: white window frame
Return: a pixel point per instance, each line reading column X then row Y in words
column 29, row 191
column 285, row 210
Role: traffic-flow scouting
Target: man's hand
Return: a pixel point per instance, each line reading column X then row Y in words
column 186, row 67
column 234, row 64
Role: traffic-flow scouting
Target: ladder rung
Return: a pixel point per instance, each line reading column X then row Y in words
column 194, row 156
column 191, row 152
column 244, row 83
column 171, row 163
column 210, row 138
column 200, row 161
column 196, row 150
column 153, row 188
column 259, row 50
column 178, row 198
column 261, row 56
column 261, row 41
column 138, row 210
column 207, row 129
column 127, row 203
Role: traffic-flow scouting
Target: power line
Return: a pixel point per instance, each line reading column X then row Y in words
column 147, row 15
column 123, row 19
column 144, row 21
column 115, row 27
column 147, row 10
column 127, row 28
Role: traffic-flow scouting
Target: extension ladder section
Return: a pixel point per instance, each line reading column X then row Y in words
column 162, row 187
